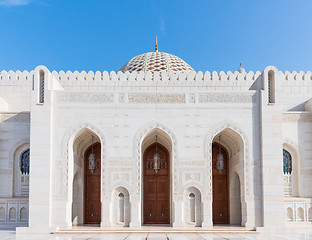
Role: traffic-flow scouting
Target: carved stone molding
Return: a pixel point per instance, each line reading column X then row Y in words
column 227, row 97
column 78, row 97
column 15, row 117
column 140, row 136
column 156, row 98
column 208, row 152
column 191, row 176
column 69, row 136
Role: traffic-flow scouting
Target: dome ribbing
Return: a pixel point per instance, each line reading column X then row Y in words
column 156, row 62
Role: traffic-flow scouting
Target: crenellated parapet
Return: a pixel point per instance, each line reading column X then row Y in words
column 296, row 78
column 158, row 78
column 171, row 78
column 16, row 78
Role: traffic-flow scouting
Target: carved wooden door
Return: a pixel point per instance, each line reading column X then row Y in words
column 156, row 187
column 92, row 187
column 220, row 204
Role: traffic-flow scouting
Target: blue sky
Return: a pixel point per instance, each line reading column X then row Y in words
column 210, row 35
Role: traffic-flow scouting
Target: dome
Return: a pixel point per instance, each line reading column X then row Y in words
column 156, row 62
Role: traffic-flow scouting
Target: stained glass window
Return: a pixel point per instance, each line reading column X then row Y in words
column 287, row 163
column 25, row 162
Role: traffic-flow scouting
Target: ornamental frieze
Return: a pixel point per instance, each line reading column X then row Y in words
column 226, row 97
column 156, row 98
column 86, row 97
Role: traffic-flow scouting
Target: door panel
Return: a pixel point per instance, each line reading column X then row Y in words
column 92, row 189
column 220, row 204
column 156, row 187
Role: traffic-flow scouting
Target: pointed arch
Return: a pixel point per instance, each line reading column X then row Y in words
column 23, row 215
column 192, row 204
column 121, row 206
column 236, row 142
column 12, row 214
column 122, row 184
column 69, row 140
column 16, row 153
column 137, row 150
column 141, row 141
column 292, row 148
column 16, row 146
column 208, row 149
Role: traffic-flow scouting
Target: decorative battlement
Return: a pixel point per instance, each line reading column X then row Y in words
column 158, row 78
column 16, row 78
column 301, row 78
column 222, row 79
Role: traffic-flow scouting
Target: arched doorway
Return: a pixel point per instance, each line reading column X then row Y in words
column 156, row 186
column 92, row 186
column 220, row 187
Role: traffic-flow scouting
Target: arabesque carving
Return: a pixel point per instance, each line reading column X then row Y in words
column 226, row 97
column 156, row 98
column 78, row 97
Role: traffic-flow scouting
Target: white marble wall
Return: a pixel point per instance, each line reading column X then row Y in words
column 122, row 120
column 126, row 115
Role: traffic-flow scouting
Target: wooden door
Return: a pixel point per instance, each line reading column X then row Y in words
column 92, row 187
column 156, row 187
column 220, row 204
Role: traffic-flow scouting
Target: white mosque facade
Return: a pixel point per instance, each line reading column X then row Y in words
column 155, row 144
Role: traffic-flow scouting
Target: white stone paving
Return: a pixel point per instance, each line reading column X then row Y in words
column 11, row 235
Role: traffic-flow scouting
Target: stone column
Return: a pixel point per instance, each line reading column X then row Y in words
column 207, row 212
column 135, row 204
column 177, row 206
column 105, row 216
column 248, row 214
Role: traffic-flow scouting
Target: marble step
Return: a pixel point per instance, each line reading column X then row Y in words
column 152, row 230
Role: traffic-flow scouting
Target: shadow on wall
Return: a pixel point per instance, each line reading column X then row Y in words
column 16, row 117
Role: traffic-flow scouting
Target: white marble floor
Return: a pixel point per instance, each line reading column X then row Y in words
column 10, row 235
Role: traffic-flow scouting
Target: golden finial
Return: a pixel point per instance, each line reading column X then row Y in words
column 156, row 46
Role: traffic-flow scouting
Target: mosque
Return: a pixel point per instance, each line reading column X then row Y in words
column 155, row 144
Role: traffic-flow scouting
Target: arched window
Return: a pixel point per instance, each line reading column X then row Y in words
column 287, row 163
column 25, row 162
column 271, row 87
column 287, row 169
column 192, row 207
column 121, row 197
column 41, row 86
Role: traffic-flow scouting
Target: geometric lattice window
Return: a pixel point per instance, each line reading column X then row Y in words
column 25, row 162
column 287, row 162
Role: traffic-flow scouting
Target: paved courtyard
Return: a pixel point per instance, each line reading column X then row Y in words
column 10, row 235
